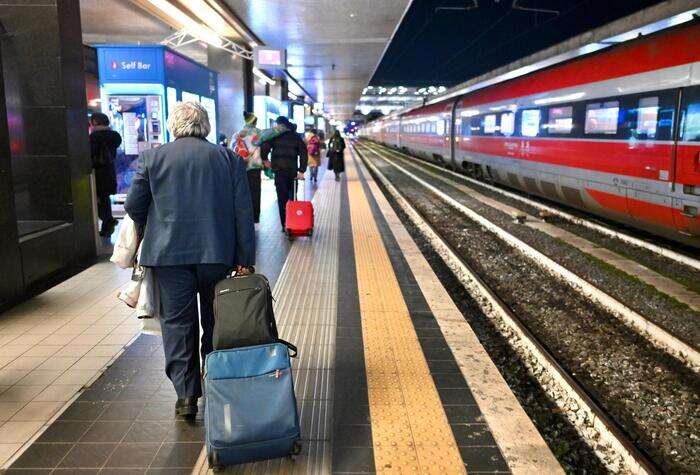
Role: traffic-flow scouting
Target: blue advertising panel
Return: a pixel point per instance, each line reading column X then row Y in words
column 186, row 75
column 130, row 64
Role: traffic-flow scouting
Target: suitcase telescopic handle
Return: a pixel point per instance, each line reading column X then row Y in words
column 296, row 190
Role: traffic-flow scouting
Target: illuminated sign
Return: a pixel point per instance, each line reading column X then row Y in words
column 269, row 58
column 130, row 64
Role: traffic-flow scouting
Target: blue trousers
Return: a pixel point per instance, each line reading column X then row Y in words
column 178, row 287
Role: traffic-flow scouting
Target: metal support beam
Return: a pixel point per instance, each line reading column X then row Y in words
column 184, row 37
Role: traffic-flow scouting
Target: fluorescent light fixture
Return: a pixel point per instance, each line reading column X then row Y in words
column 264, row 77
column 469, row 113
column 209, row 17
column 564, row 98
column 292, row 96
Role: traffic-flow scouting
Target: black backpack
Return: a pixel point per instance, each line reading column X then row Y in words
column 243, row 314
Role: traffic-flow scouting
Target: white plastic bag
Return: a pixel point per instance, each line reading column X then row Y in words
column 127, row 244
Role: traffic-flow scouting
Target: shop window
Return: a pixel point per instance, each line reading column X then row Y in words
column 561, row 120
column 601, row 118
column 530, row 123
column 508, row 124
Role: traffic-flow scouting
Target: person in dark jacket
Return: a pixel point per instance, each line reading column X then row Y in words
column 289, row 159
column 335, row 153
column 192, row 197
column 103, row 150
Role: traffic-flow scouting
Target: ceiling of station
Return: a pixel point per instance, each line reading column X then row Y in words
column 122, row 21
column 333, row 47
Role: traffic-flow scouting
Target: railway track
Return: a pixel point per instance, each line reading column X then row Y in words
column 612, row 428
column 657, row 249
column 657, row 335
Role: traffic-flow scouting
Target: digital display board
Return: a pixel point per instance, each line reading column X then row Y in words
column 264, row 57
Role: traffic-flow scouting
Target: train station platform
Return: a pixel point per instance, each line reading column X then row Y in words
column 389, row 379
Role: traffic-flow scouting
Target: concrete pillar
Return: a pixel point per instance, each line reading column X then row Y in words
column 232, row 89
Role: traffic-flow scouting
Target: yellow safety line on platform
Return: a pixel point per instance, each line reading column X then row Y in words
column 410, row 430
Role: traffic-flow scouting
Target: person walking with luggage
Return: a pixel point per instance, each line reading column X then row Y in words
column 288, row 161
column 313, row 148
column 192, row 197
column 336, row 158
column 246, row 145
column 103, row 150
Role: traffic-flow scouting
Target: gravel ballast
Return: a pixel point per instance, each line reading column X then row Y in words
column 670, row 268
column 676, row 318
column 649, row 393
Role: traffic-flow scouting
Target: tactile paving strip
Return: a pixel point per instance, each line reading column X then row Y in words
column 410, row 430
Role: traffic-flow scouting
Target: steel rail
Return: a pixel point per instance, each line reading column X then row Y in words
column 655, row 248
column 653, row 333
column 610, row 431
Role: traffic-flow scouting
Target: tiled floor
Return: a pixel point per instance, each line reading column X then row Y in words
column 60, row 416
column 57, row 344
column 54, row 345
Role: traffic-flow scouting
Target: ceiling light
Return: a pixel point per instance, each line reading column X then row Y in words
column 209, row 17
column 292, row 96
column 203, row 33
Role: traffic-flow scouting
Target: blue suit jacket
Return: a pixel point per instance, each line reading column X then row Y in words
column 194, row 200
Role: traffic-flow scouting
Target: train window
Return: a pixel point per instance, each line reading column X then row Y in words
column 561, row 120
column 647, row 116
column 440, row 127
column 475, row 126
column 530, row 123
column 490, row 126
column 691, row 123
column 466, row 127
column 601, row 117
column 690, row 120
column 508, row 123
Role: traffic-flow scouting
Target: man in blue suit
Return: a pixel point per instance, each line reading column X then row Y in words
column 192, row 197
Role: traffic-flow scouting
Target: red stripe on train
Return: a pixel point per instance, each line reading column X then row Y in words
column 631, row 158
column 660, row 51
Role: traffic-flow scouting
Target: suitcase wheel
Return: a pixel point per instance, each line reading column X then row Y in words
column 214, row 463
column 311, row 233
column 296, row 450
column 290, row 236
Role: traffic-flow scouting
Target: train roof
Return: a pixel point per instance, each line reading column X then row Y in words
column 654, row 19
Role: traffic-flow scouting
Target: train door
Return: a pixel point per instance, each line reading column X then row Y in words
column 646, row 123
column 455, row 126
column 687, row 172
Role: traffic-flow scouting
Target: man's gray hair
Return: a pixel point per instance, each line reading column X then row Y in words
column 189, row 119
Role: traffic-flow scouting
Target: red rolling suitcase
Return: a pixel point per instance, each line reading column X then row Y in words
column 299, row 216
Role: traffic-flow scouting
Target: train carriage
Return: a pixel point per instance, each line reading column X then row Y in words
column 615, row 133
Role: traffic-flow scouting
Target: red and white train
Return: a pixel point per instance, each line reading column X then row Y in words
column 615, row 133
